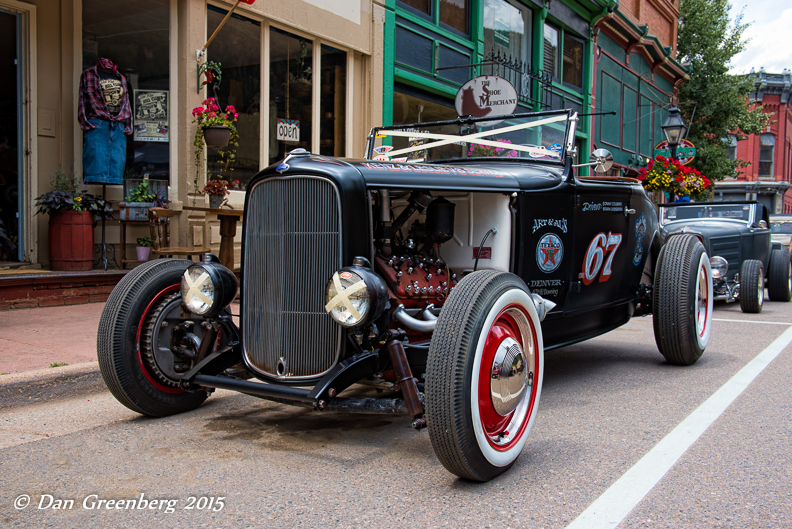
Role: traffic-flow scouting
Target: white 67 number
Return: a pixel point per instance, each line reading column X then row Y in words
column 601, row 250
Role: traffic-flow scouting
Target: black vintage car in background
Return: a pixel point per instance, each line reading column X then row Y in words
column 742, row 257
column 436, row 272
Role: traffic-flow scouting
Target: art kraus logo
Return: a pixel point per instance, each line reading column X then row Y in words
column 549, row 252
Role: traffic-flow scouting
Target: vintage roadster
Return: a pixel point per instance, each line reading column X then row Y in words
column 744, row 259
column 436, row 272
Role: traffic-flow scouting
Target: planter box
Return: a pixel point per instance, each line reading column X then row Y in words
column 135, row 211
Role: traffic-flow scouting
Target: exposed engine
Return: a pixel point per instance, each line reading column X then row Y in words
column 410, row 264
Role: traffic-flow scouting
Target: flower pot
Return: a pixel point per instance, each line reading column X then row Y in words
column 71, row 240
column 143, row 252
column 215, row 201
column 217, row 136
column 136, row 211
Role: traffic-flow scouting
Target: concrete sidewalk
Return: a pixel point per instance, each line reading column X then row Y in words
column 33, row 339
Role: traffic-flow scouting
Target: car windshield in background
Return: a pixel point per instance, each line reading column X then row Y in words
column 740, row 212
column 781, row 227
column 536, row 136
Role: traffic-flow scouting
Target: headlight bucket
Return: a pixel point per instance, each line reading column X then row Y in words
column 362, row 298
column 720, row 267
column 207, row 288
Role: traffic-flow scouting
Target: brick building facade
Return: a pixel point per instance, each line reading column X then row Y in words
column 769, row 154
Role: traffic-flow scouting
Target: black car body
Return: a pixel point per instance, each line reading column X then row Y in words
column 733, row 233
column 438, row 270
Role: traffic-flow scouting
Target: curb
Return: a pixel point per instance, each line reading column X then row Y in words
column 42, row 385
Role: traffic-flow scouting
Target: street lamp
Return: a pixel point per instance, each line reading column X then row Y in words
column 674, row 129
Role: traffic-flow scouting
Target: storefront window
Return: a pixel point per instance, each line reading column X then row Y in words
column 332, row 135
column 573, row 61
column 550, row 65
column 409, row 108
column 454, row 14
column 507, row 30
column 136, row 40
column 237, row 48
column 291, row 91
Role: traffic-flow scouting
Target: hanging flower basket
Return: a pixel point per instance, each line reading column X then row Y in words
column 217, row 136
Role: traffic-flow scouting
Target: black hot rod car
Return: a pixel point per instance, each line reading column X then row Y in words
column 737, row 236
column 436, row 271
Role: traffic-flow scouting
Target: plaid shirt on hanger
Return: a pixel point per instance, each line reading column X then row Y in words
column 93, row 106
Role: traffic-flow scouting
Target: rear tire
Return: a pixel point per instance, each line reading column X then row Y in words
column 127, row 337
column 752, row 286
column 682, row 300
column 484, row 375
column 779, row 276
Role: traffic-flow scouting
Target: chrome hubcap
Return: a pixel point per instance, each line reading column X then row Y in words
column 510, row 377
column 702, row 301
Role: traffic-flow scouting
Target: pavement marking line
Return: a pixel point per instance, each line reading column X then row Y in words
column 616, row 503
column 754, row 321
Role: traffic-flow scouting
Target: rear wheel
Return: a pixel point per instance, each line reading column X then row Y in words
column 682, row 300
column 484, row 375
column 779, row 276
column 134, row 340
column 752, row 286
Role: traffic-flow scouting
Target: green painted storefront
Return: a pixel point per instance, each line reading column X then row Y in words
column 423, row 44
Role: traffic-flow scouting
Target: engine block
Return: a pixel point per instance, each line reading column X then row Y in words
column 416, row 280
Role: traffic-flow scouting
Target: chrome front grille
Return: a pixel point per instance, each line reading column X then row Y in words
column 292, row 247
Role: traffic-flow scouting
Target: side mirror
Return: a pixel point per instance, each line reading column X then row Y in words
column 602, row 160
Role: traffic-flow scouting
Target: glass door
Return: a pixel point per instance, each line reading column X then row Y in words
column 10, row 138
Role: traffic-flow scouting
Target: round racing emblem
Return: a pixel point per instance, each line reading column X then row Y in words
column 549, row 252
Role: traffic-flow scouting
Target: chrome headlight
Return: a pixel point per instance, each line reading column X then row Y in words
column 355, row 296
column 208, row 288
column 720, row 267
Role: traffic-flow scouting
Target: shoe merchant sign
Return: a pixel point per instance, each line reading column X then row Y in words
column 487, row 95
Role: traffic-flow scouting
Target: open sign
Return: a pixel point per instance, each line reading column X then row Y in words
column 288, row 130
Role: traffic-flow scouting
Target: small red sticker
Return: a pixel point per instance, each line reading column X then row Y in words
column 486, row 253
column 345, row 275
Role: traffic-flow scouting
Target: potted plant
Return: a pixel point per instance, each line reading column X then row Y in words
column 217, row 129
column 143, row 248
column 73, row 213
column 217, row 190
column 137, row 203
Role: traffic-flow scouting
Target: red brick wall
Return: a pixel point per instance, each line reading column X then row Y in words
column 661, row 15
column 56, row 292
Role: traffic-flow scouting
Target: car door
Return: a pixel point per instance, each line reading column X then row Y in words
column 603, row 269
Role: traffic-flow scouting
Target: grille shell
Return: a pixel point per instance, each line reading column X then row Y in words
column 293, row 243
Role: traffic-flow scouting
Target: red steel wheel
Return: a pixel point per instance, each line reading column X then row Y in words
column 484, row 375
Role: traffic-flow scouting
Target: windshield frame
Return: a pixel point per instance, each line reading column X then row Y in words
column 569, row 134
column 663, row 221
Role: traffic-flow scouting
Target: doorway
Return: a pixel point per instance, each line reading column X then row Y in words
column 10, row 136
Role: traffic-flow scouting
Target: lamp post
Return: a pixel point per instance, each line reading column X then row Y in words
column 674, row 129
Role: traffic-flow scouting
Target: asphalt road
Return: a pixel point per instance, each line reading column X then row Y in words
column 606, row 404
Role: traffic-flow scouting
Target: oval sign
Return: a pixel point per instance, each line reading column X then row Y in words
column 488, row 95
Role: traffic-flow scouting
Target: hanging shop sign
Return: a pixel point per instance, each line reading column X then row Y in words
column 288, row 130
column 487, row 95
column 685, row 151
column 151, row 115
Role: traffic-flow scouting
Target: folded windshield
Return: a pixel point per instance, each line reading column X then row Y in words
column 540, row 136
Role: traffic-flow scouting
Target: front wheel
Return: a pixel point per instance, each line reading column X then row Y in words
column 752, row 286
column 484, row 375
column 682, row 300
column 134, row 340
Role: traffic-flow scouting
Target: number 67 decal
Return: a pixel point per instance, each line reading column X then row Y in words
column 599, row 247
